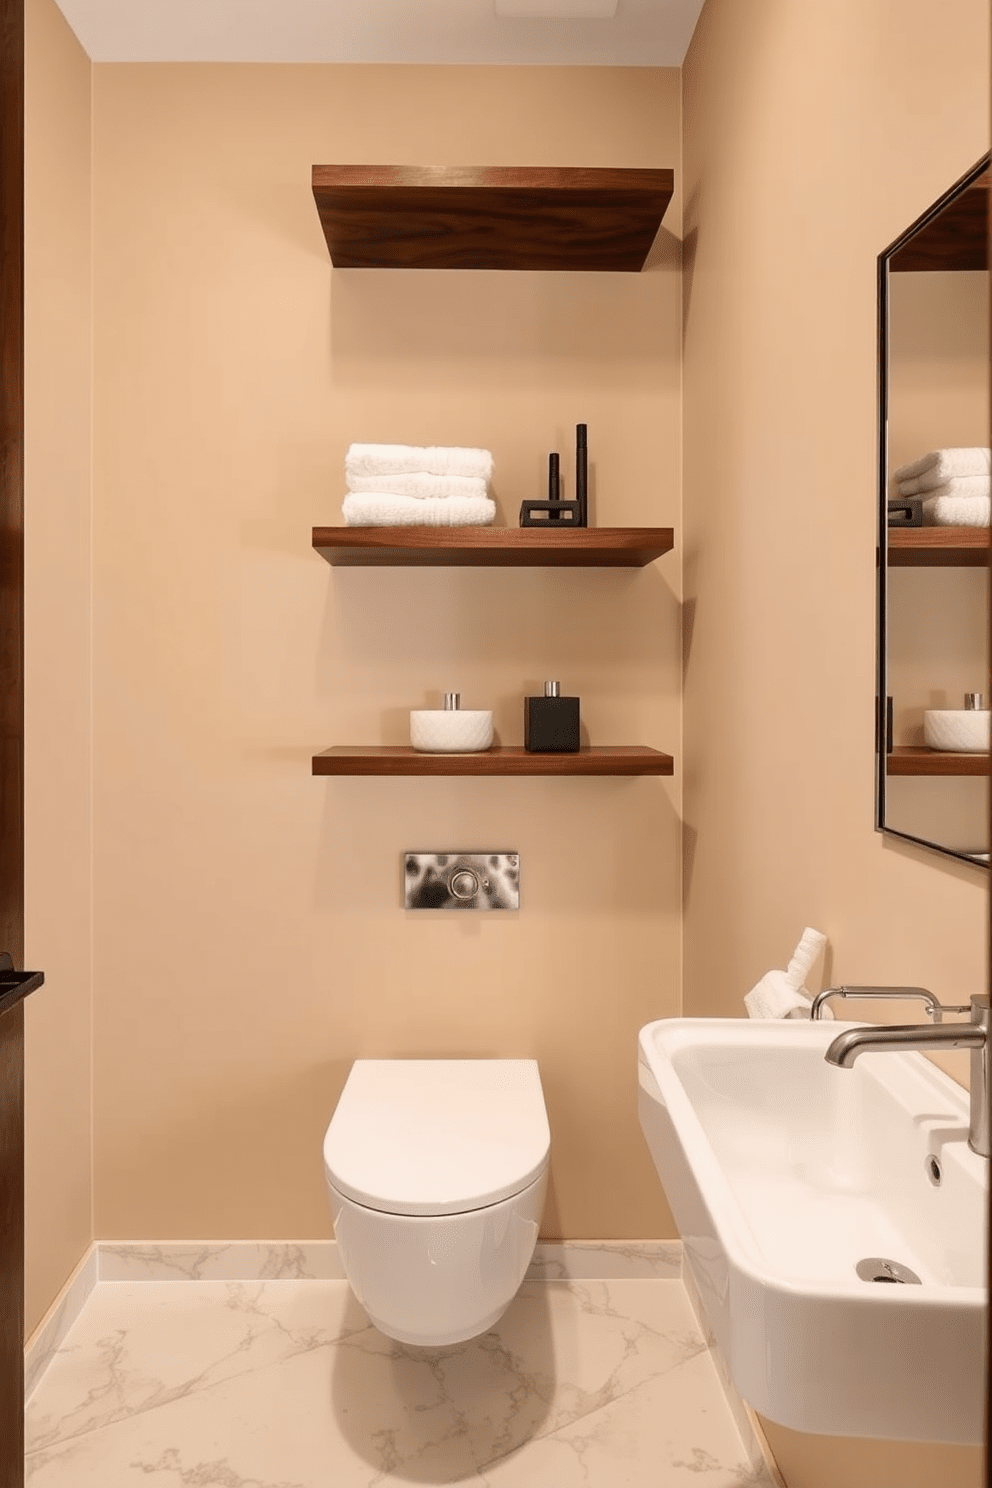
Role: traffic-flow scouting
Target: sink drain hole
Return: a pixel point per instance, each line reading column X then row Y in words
column 934, row 1171
column 878, row 1268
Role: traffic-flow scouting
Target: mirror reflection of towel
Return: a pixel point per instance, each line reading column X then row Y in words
column 947, row 462
column 957, row 511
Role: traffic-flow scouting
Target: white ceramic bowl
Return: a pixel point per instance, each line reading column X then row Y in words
column 434, row 1280
column 451, row 731
column 957, row 730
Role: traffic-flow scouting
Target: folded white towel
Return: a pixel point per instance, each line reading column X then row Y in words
column 419, row 485
column 957, row 511
column 951, row 485
column 947, row 462
column 366, row 509
column 413, row 459
column 781, row 994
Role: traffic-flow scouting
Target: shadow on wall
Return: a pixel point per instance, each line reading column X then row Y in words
column 444, row 1415
column 498, row 613
column 440, row 320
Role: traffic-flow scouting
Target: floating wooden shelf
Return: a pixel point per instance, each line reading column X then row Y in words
column 908, row 759
column 491, row 217
column 492, row 547
column 938, row 547
column 619, row 759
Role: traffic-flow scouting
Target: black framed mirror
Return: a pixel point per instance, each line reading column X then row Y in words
column 933, row 704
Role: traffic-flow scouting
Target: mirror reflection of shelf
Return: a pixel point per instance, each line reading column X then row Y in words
column 954, row 237
column 912, row 759
column 938, row 547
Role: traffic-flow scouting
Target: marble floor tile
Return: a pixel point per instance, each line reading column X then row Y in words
column 139, row 1346
column 283, row 1384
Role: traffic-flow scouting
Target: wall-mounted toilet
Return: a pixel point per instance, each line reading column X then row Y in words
column 437, row 1170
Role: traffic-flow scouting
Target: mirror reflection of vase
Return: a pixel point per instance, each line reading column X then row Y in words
column 934, row 392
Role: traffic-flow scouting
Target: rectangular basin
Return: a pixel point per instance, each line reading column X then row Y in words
column 783, row 1172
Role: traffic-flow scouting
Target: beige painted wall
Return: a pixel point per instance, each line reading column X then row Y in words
column 250, row 940
column 813, row 135
column 58, row 836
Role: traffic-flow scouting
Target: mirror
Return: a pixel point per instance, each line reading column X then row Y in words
column 933, row 548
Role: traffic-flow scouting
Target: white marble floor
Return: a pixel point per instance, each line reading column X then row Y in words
column 283, row 1384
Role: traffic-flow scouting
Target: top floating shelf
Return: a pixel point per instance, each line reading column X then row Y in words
column 492, row 547
column 491, row 217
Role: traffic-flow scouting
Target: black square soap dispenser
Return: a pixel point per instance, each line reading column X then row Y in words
column 551, row 722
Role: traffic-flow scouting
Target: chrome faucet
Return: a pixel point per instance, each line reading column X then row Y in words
column 891, row 994
column 878, row 1039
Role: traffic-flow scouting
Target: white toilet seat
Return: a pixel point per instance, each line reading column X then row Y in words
column 437, row 1136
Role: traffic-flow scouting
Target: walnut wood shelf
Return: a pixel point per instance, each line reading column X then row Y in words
column 915, row 760
column 492, row 547
column 938, row 547
column 619, row 759
column 493, row 217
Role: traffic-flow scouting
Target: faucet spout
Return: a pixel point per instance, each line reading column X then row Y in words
column 853, row 1042
column 847, row 1046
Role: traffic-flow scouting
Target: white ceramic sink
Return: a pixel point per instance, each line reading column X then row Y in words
column 782, row 1173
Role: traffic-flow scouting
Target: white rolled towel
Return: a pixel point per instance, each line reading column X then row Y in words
column 947, row 462
column 421, row 485
column 781, row 994
column 413, row 459
column 368, row 509
column 951, row 485
column 957, row 511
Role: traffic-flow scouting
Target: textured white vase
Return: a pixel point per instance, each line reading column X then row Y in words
column 957, row 730
column 451, row 730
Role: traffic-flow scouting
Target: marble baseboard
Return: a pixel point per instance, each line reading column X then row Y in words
column 47, row 1338
column 214, row 1260
column 607, row 1260
column 318, row 1260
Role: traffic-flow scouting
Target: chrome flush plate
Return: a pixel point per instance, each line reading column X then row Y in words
column 461, row 880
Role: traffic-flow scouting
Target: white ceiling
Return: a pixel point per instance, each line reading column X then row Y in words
column 643, row 33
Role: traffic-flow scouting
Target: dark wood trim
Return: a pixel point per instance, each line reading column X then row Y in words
column 492, row 217
column 938, row 547
column 911, row 759
column 12, row 477
column 12, row 735
column 988, row 988
column 388, row 759
column 492, row 547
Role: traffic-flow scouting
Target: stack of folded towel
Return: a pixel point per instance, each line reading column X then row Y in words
column 955, row 484
column 405, row 485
